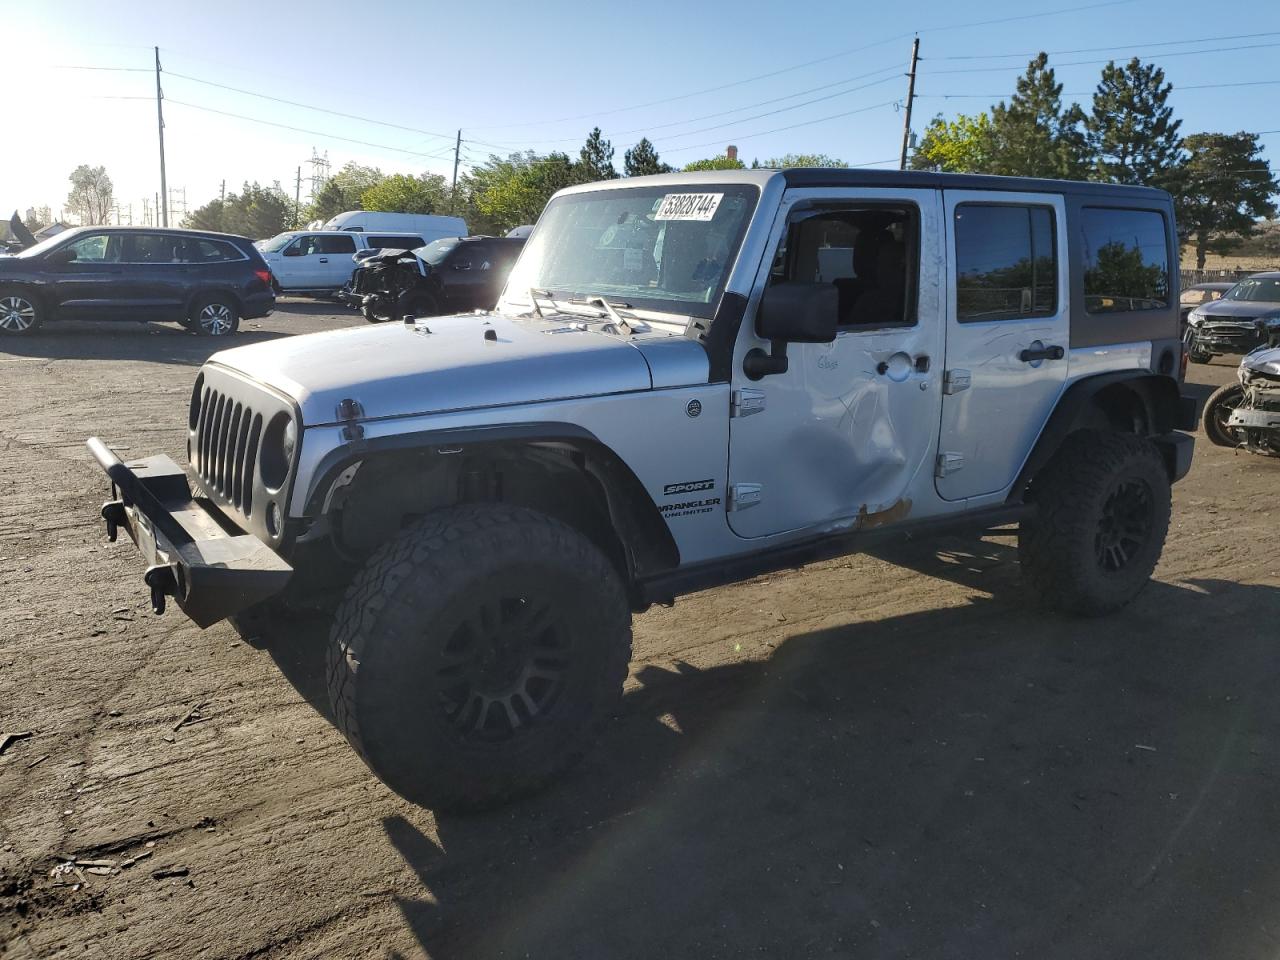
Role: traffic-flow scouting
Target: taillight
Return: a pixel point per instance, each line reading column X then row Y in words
column 264, row 276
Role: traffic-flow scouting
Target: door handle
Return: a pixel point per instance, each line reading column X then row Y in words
column 324, row 259
column 1042, row 353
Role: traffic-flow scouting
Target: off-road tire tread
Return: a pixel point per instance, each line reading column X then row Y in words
column 1054, row 565
column 437, row 549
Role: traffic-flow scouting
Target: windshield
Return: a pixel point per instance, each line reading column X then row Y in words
column 276, row 243
column 656, row 248
column 435, row 251
column 1265, row 289
column 45, row 245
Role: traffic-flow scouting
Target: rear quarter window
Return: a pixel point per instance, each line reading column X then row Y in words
column 378, row 242
column 334, row 244
column 1125, row 260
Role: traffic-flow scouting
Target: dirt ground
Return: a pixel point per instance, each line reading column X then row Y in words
column 884, row 756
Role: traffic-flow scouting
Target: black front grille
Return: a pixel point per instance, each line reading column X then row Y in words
column 224, row 452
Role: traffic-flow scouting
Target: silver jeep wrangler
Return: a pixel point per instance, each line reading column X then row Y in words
column 689, row 380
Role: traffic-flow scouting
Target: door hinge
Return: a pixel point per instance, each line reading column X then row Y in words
column 745, row 401
column 744, row 495
column 948, row 463
column 955, row 381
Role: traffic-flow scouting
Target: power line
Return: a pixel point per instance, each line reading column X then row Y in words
column 800, row 66
column 1089, row 93
column 804, row 123
column 1089, row 63
column 1131, row 46
column 306, row 106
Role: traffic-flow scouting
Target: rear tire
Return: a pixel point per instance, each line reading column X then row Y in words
column 475, row 655
column 1103, row 504
column 1217, row 410
column 216, row 315
column 20, row 312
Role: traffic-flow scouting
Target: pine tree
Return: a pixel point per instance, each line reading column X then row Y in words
column 642, row 159
column 1131, row 130
column 595, row 159
column 1033, row 135
column 1222, row 188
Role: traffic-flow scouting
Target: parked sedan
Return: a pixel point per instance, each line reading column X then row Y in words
column 1247, row 317
column 1198, row 295
column 208, row 282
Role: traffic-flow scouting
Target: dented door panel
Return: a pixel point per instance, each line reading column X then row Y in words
column 847, row 436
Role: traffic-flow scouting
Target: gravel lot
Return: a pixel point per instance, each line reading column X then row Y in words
column 884, row 756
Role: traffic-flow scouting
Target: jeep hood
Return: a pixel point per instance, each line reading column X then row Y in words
column 450, row 363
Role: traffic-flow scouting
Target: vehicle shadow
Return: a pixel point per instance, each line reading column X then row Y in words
column 982, row 780
column 149, row 342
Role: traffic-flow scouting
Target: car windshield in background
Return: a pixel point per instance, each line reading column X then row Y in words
column 44, row 245
column 657, row 248
column 276, row 243
column 1265, row 289
column 435, row 251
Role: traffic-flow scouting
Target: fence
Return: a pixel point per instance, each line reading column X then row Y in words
column 1191, row 277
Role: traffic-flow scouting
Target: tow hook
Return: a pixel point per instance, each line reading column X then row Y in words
column 163, row 583
column 113, row 513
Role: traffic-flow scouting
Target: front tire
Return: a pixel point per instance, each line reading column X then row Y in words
column 1217, row 411
column 215, row 316
column 1102, row 514
column 20, row 312
column 475, row 655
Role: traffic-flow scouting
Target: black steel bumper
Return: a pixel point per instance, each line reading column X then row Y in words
column 1177, row 450
column 193, row 552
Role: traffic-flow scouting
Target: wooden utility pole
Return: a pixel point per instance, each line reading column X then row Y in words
column 224, row 191
column 911, row 95
column 453, row 194
column 164, row 186
column 297, row 200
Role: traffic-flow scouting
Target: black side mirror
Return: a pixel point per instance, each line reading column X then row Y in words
column 792, row 312
column 65, row 255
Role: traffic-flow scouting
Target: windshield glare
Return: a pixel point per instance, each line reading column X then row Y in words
column 1256, row 288
column 435, row 251
column 660, row 248
column 276, row 243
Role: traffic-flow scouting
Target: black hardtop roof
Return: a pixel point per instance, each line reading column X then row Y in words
column 178, row 231
column 836, row 177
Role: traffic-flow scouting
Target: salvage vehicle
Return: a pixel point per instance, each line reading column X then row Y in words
column 451, row 275
column 679, row 388
column 317, row 262
column 1245, row 318
column 1201, row 293
column 1246, row 414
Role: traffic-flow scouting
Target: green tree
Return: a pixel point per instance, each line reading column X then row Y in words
column 963, row 145
column 1034, row 136
column 401, row 193
column 1224, row 186
column 257, row 211
column 803, row 160
column 1131, row 129
column 505, row 192
column 343, row 191
column 595, row 159
column 642, row 160
column 716, row 163
column 91, row 194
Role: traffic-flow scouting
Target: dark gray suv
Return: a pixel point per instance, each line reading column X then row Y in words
column 208, row 282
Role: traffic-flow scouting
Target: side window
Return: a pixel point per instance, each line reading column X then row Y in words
column 301, row 247
column 471, row 256
column 199, row 250
column 335, row 244
column 96, row 248
column 394, row 243
column 152, row 248
column 1126, row 260
column 870, row 254
column 1006, row 262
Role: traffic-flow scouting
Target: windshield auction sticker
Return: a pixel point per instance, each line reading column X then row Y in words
column 688, row 206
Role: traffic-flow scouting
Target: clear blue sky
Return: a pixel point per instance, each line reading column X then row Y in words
column 519, row 75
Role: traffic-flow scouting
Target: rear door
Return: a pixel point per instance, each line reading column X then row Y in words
column 468, row 272
column 154, row 278
column 1007, row 335
column 333, row 255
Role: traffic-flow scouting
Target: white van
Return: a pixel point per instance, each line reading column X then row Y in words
column 321, row 261
column 431, row 227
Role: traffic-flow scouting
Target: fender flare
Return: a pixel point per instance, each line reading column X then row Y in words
column 1166, row 410
column 643, row 533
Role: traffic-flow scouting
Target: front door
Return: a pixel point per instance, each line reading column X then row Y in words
column 1007, row 335
column 88, row 287
column 299, row 265
column 846, row 437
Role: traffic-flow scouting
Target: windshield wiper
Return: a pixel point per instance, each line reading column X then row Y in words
column 611, row 310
